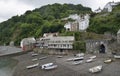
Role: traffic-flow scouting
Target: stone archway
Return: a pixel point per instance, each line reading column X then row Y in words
column 102, row 48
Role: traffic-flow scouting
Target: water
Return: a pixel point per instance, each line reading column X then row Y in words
column 7, row 66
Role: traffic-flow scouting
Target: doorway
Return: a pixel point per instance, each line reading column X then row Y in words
column 102, row 48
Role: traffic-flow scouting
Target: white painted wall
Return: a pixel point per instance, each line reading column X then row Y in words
column 82, row 20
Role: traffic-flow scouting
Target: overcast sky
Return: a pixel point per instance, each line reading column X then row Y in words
column 9, row 8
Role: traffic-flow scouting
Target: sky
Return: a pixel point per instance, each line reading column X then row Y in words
column 9, row 8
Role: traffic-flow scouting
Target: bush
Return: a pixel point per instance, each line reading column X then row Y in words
column 79, row 45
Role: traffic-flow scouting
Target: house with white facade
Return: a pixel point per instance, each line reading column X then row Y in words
column 84, row 22
column 81, row 22
column 56, row 42
column 109, row 6
column 98, row 10
column 27, row 43
column 61, row 42
column 43, row 41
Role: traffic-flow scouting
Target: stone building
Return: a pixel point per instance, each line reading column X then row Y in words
column 74, row 26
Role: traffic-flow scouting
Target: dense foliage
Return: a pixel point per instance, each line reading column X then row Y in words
column 35, row 23
column 105, row 22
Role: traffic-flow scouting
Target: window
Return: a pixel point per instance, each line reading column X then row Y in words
column 64, row 45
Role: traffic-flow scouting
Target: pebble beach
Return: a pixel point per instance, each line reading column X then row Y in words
column 64, row 68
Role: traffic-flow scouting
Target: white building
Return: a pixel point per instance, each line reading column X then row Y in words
column 98, row 10
column 57, row 42
column 84, row 22
column 61, row 42
column 109, row 6
column 68, row 25
column 27, row 43
column 81, row 22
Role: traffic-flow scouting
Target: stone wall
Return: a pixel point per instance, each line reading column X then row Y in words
column 93, row 46
column 118, row 38
column 52, row 51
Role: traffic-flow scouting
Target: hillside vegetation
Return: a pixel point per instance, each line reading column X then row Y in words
column 35, row 23
column 105, row 22
column 49, row 19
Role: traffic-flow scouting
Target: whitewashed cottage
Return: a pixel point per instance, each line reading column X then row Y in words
column 109, row 6
column 81, row 22
column 27, row 43
column 98, row 10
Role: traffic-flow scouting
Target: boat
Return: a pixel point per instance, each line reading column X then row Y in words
column 32, row 66
column 35, row 59
column 78, row 58
column 51, row 67
column 43, row 58
column 34, row 54
column 75, row 59
column 59, row 56
column 77, row 62
column 92, row 57
column 95, row 69
column 117, row 56
column 70, row 59
column 89, row 60
column 108, row 61
column 80, row 54
column 48, row 66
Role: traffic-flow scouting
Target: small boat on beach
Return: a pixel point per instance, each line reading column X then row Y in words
column 70, row 59
column 75, row 59
column 43, row 58
column 78, row 58
column 35, row 59
column 95, row 69
column 35, row 54
column 77, row 62
column 108, row 61
column 92, row 57
column 48, row 66
column 59, row 56
column 117, row 56
column 89, row 60
column 32, row 66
